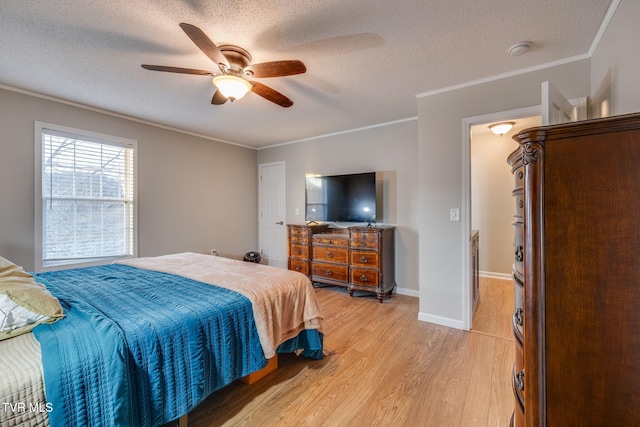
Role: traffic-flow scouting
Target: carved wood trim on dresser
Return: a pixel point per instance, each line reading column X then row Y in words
column 576, row 274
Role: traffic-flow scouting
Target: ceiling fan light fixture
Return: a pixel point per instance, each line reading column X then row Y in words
column 501, row 128
column 232, row 87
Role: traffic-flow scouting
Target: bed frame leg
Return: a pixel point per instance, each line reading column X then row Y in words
column 182, row 421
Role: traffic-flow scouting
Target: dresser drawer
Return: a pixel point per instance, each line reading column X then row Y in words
column 331, row 239
column 364, row 258
column 519, row 379
column 518, row 247
column 335, row 272
column 298, row 231
column 365, row 276
column 517, row 323
column 331, row 254
column 299, row 266
column 363, row 238
column 518, row 293
column 518, row 414
column 299, row 238
column 518, row 175
column 299, row 251
column 518, row 196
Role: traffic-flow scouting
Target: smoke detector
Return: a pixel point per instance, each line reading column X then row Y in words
column 519, row 48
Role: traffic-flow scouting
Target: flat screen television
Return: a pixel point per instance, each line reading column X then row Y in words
column 341, row 198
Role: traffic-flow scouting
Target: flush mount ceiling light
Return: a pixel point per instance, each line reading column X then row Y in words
column 501, row 128
column 232, row 87
column 519, row 48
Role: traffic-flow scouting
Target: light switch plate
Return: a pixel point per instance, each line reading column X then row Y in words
column 454, row 214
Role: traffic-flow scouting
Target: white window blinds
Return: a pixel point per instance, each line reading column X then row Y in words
column 87, row 198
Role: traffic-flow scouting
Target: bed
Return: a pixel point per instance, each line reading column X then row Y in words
column 143, row 341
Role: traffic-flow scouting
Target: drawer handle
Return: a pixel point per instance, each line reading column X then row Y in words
column 520, row 174
column 363, row 259
column 363, row 278
column 329, row 254
column 298, row 267
column 521, row 204
column 298, row 251
column 518, row 317
column 520, row 380
column 329, row 272
column 519, row 253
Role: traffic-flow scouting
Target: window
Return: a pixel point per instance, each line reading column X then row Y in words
column 85, row 197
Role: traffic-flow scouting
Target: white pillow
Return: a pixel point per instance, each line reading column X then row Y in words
column 24, row 303
column 13, row 316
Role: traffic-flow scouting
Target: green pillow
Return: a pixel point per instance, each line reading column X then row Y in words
column 24, row 303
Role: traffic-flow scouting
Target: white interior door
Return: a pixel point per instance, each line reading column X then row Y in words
column 556, row 108
column 273, row 204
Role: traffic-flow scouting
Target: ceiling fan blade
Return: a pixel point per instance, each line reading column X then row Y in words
column 176, row 70
column 205, row 44
column 218, row 98
column 271, row 95
column 277, row 68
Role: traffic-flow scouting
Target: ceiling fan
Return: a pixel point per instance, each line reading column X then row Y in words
column 235, row 65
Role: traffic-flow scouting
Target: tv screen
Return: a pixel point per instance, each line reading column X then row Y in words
column 341, row 198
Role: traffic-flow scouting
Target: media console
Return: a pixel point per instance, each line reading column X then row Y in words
column 357, row 258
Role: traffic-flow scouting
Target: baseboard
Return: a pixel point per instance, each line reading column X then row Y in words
column 439, row 320
column 493, row 275
column 408, row 292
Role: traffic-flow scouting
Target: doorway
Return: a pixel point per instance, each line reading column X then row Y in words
column 492, row 208
column 272, row 190
column 492, row 202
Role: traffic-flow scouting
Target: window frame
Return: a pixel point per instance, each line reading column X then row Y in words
column 39, row 129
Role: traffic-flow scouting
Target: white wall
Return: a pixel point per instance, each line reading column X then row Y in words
column 194, row 194
column 390, row 149
column 615, row 64
column 441, row 172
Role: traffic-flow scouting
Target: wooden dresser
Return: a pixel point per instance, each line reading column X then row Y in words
column 330, row 259
column 356, row 258
column 577, row 274
column 299, row 246
column 372, row 260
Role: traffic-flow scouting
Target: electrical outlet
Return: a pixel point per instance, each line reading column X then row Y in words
column 297, row 211
column 214, row 252
column 454, row 214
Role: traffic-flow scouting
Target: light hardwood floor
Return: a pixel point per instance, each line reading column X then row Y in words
column 386, row 368
column 495, row 307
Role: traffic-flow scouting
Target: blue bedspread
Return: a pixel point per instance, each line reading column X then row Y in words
column 141, row 348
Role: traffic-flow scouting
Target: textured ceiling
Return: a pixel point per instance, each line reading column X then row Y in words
column 366, row 59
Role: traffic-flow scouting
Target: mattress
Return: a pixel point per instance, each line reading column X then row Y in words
column 22, row 388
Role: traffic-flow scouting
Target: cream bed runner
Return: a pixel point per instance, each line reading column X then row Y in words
column 284, row 302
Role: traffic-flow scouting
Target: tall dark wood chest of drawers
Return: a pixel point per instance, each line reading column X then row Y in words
column 577, row 274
